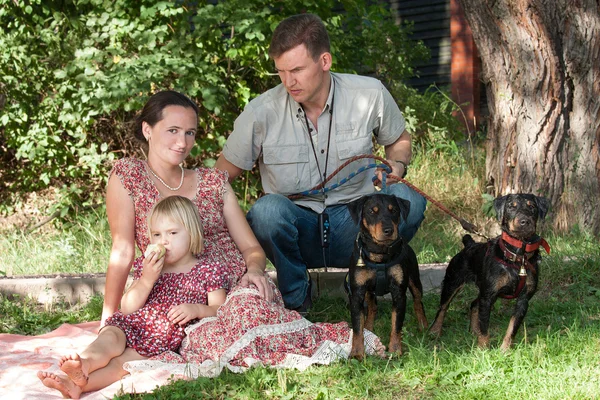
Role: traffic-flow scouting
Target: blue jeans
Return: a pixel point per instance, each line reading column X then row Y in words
column 289, row 234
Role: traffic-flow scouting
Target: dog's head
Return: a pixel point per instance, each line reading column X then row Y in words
column 379, row 215
column 518, row 213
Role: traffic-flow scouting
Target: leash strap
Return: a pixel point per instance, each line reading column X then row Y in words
column 469, row 227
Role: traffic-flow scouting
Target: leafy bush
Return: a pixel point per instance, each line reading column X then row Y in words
column 73, row 73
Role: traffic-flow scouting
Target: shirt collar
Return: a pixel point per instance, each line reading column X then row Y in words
column 298, row 106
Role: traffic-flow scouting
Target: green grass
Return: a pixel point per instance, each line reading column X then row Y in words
column 556, row 353
column 23, row 316
column 82, row 246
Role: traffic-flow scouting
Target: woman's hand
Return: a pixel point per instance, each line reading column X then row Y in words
column 257, row 277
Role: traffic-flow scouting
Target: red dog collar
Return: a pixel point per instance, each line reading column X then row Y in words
column 530, row 247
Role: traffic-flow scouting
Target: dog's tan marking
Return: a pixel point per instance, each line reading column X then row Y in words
column 483, row 341
column 376, row 258
column 397, row 273
column 371, row 310
column 364, row 275
column 531, row 283
column 510, row 332
column 358, row 343
column 378, row 235
column 436, row 327
column 512, row 225
column 502, row 281
column 395, row 337
column 475, row 320
column 418, row 306
column 365, row 224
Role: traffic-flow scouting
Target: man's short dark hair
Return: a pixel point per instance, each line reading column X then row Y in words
column 306, row 29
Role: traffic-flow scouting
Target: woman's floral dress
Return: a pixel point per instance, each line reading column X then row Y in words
column 247, row 330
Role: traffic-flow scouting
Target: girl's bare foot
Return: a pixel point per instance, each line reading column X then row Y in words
column 72, row 365
column 64, row 385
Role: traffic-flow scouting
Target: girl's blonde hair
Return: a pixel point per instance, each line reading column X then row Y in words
column 181, row 209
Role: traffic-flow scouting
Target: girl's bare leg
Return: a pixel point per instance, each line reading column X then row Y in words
column 63, row 384
column 112, row 372
column 110, row 343
column 99, row 379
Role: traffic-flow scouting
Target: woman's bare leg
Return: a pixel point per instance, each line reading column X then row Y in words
column 110, row 343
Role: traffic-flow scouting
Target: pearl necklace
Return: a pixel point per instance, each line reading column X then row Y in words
column 163, row 182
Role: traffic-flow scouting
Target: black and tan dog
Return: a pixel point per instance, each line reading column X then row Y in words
column 381, row 263
column 506, row 266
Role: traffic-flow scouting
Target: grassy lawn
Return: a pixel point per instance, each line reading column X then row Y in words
column 556, row 353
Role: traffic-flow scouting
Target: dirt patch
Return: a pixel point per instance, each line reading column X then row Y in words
column 30, row 210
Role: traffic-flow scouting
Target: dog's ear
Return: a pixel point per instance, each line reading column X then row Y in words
column 499, row 203
column 404, row 206
column 355, row 208
column 543, row 204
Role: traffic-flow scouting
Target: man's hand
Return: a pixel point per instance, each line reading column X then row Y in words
column 397, row 170
column 259, row 279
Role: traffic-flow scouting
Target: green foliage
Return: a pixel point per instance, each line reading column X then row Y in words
column 488, row 205
column 429, row 118
column 72, row 74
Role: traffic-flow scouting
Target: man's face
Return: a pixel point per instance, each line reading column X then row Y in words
column 305, row 80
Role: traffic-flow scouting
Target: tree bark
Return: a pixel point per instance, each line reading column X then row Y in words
column 541, row 68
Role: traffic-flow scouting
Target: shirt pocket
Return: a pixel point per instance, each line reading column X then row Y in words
column 287, row 168
column 350, row 143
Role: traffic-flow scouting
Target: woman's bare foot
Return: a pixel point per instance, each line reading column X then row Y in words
column 72, row 365
column 380, row 349
column 64, row 385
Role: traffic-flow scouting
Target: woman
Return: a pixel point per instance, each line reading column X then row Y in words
column 167, row 127
column 252, row 326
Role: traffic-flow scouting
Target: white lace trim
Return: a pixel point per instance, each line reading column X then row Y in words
column 325, row 354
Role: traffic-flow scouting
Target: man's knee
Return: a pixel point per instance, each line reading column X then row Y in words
column 268, row 206
column 269, row 214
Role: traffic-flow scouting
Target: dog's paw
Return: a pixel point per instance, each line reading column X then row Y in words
column 356, row 355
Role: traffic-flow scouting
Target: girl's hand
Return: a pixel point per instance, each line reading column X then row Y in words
column 259, row 279
column 184, row 313
column 152, row 267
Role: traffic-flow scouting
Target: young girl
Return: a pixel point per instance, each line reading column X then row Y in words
column 167, row 293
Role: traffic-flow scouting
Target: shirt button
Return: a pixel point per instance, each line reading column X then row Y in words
column 322, row 151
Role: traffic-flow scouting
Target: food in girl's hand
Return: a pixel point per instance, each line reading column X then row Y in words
column 158, row 248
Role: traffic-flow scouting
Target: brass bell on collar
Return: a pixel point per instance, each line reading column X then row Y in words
column 360, row 262
column 522, row 271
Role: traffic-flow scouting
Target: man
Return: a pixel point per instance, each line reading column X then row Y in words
column 300, row 132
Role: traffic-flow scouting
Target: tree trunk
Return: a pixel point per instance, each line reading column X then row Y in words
column 541, row 68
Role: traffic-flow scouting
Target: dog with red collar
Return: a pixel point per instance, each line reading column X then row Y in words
column 506, row 266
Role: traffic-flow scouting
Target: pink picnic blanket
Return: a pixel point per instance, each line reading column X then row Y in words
column 22, row 356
